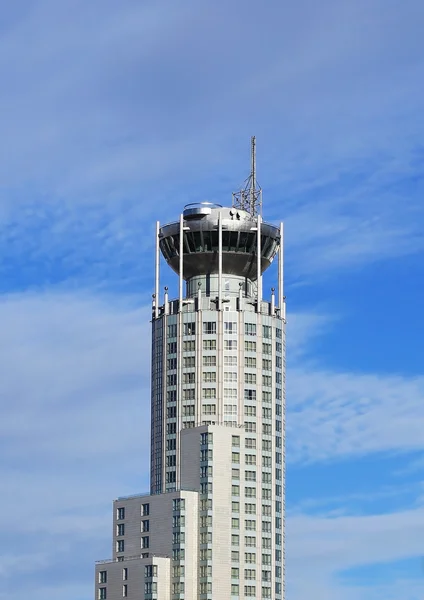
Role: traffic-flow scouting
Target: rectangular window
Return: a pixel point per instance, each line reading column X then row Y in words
column 250, row 475
column 235, row 523
column 235, row 473
column 120, row 546
column 172, row 364
column 250, row 411
column 230, row 393
column 209, row 327
column 236, row 441
column 266, row 348
column 189, row 328
column 250, row 492
column 120, row 529
column 266, row 331
column 145, row 525
column 209, row 393
column 230, row 376
column 235, row 457
column 102, row 593
column 266, row 429
column 250, row 378
column 267, row 380
column 120, row 513
column 125, row 591
column 266, row 559
column 230, row 345
column 235, row 507
column 171, row 379
column 189, row 378
column 103, row 577
column 250, row 346
column 209, row 344
column 250, row 329
column 209, row 361
column 235, row 589
column 250, row 362
column 250, row 540
column 235, row 490
column 230, row 327
column 250, row 558
column 235, row 540
column 145, row 541
column 235, row 556
column 250, row 459
column 250, row 427
column 189, row 345
column 250, row 443
column 189, row 362
column 250, row 574
column 145, row 510
column 209, row 376
column 235, row 573
column 250, row 509
column 266, row 364
column 250, row 525
column 209, row 409
column 172, row 330
column 250, row 395
column 230, row 361
column 172, row 348
column 124, row 574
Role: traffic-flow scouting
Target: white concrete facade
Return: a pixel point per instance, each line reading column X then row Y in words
column 213, row 524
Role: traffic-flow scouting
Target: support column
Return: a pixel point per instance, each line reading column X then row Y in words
column 157, row 266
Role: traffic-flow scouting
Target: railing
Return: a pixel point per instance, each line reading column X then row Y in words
column 134, row 557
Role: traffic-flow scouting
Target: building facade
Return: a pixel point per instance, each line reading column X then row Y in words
column 212, row 527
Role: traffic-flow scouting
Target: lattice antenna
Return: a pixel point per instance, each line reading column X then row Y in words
column 249, row 198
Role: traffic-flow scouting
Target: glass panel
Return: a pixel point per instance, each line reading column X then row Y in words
column 207, row 241
column 251, row 243
column 190, row 241
column 225, row 241
column 243, row 241
column 214, row 241
column 233, row 241
column 174, row 241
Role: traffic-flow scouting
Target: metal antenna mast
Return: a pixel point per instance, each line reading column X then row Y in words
column 249, row 198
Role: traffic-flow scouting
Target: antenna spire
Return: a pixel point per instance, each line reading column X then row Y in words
column 249, row 198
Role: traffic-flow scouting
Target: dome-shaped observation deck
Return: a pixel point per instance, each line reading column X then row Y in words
column 201, row 242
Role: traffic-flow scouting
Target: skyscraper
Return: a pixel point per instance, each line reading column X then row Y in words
column 212, row 527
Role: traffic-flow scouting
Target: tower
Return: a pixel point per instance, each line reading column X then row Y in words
column 212, row 527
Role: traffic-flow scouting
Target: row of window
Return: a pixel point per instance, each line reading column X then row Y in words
column 120, row 512
column 230, row 327
column 250, row 574
column 250, row 541
column 211, row 344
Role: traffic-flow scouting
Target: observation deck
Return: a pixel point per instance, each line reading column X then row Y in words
column 202, row 224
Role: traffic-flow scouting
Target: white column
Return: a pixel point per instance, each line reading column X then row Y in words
column 219, row 260
column 259, row 263
column 281, row 273
column 157, row 264
column 181, row 272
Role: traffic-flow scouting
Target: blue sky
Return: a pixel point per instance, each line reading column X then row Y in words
column 114, row 114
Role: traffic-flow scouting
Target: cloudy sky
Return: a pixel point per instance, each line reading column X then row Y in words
column 115, row 113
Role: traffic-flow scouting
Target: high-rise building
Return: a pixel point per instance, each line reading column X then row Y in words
column 212, row 526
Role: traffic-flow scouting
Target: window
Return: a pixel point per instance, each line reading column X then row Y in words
column 236, row 441
column 250, row 492
column 235, row 523
column 230, row 361
column 172, row 363
column 266, row 592
column 250, row 574
column 209, row 344
column 145, row 541
column 235, row 573
column 250, row 395
column 171, row 428
column 206, row 438
column 267, row 445
column 189, row 378
column 250, row 557
column 189, row 328
column 230, row 327
column 250, row 443
column 145, row 525
column 266, row 543
column 250, row 540
column 125, row 591
column 209, row 409
column 205, row 472
column 250, row 524
column 266, row 526
column 209, row 376
column 250, row 346
column 206, row 455
column 209, row 361
column 235, row 473
column 209, row 327
column 188, row 410
column 234, row 589
column 250, row 590
column 120, row 546
column 250, row 509
column 172, row 348
column 267, row 380
column 230, row 345
column 266, row 559
column 250, row 329
column 235, row 507
column 278, row 347
column 266, row 478
column 102, row 593
column 250, row 362
column 267, row 429
column 230, row 376
column 235, row 490
column 172, row 330
column 235, row 540
column 189, row 362
column 209, row 393
column 120, row 514
column 250, row 411
column 171, row 396
column 250, row 459
column 266, row 494
column 250, row 427
column 235, row 457
column 235, row 555
column 124, row 574
column 189, row 346
column 267, row 413
column 172, row 379
column 250, row 475
column 103, row 577
column 266, row 331
column 266, row 397
column 145, row 510
column 230, row 393
column 266, row 364
column 250, row 378
column 120, row 529
column 266, row 348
